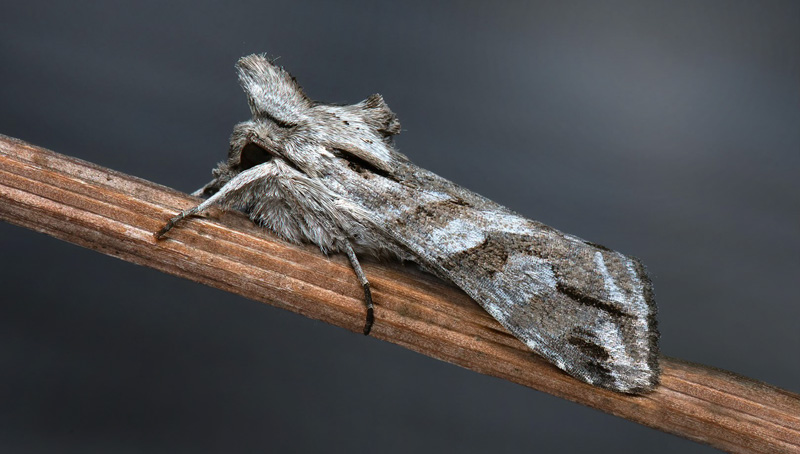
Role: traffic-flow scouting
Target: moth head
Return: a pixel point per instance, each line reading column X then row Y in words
column 288, row 124
column 252, row 143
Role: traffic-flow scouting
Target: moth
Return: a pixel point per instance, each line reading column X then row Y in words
column 329, row 175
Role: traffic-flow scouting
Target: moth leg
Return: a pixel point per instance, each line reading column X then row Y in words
column 174, row 220
column 202, row 207
column 364, row 283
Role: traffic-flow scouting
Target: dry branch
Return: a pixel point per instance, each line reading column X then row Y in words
column 117, row 214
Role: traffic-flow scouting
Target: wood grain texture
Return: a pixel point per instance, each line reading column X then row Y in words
column 117, row 214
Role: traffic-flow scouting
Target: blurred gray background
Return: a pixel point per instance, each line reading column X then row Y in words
column 666, row 130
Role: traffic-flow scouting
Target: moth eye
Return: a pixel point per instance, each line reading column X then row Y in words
column 253, row 155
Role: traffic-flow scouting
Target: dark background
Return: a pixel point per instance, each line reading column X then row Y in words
column 666, row 130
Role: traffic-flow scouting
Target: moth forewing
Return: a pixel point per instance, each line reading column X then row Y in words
column 587, row 309
column 329, row 175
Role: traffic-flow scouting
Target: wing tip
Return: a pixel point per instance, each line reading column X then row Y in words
column 636, row 380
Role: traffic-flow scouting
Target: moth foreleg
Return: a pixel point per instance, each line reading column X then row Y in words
column 219, row 195
column 175, row 219
column 348, row 249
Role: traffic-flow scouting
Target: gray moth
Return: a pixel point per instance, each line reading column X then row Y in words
column 329, row 175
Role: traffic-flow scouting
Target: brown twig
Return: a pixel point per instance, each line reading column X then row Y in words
column 117, row 214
